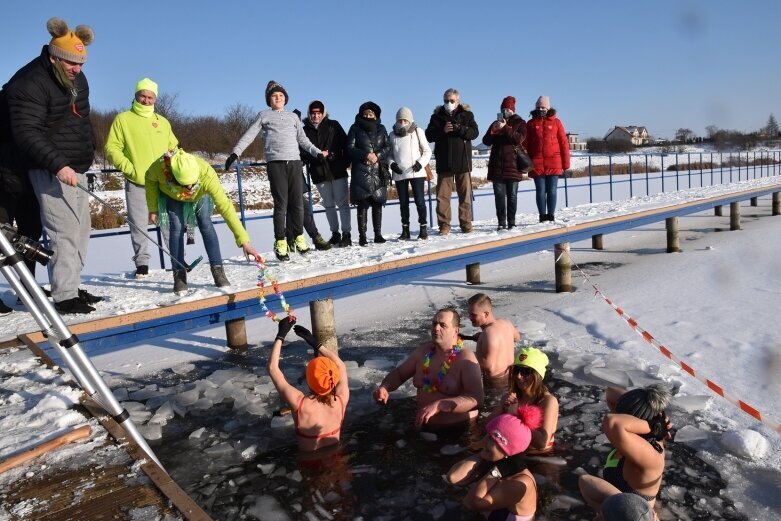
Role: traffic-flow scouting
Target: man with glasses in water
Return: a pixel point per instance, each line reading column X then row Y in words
column 445, row 373
column 452, row 128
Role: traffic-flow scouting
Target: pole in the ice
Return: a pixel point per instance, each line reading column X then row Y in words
column 188, row 267
column 13, row 250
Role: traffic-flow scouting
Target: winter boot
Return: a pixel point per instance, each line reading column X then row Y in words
column 551, row 217
column 404, row 233
column 142, row 272
column 301, row 246
column 377, row 224
column 73, row 306
column 543, row 217
column 320, row 243
column 444, row 229
column 89, row 298
column 363, row 217
column 180, row 282
column 280, row 250
column 502, row 226
column 4, row 310
column 336, row 238
column 220, row 280
column 346, row 240
column 423, row 235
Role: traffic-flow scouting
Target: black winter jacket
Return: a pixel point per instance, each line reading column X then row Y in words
column 453, row 151
column 502, row 164
column 36, row 103
column 368, row 180
column 329, row 135
column 13, row 172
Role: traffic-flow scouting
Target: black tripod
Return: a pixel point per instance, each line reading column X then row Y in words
column 14, row 248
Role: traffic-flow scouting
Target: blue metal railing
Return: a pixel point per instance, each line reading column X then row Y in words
column 769, row 159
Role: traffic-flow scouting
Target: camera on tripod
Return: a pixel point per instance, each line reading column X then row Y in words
column 27, row 247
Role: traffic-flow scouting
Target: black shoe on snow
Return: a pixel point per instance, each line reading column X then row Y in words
column 73, row 306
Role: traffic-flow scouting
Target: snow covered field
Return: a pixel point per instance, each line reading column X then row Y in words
column 714, row 305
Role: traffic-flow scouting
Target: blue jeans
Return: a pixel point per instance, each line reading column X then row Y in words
column 506, row 200
column 177, row 228
column 546, row 186
column 418, row 192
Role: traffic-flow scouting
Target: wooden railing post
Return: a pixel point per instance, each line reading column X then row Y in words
column 718, row 210
column 324, row 323
column 734, row 216
column 596, row 242
column 473, row 273
column 776, row 203
column 236, row 333
column 754, row 201
column 673, row 245
column 563, row 268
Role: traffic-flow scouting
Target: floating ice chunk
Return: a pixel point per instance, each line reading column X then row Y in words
column 689, row 433
column 179, row 410
column 133, row 406
column 183, row 369
column 381, row 364
column 140, row 416
column 214, row 395
column 611, row 376
column 450, row 450
column 401, row 444
column 588, row 368
column 674, row 492
column 258, row 408
column 221, row 376
column 151, row 431
column 428, row 436
column 203, row 404
column 188, row 398
column 745, row 443
column 144, row 393
column 295, row 476
column 350, row 364
column 197, row 433
column 640, row 378
column 323, row 512
column 282, row 422
column 250, row 452
column 691, row 404
column 208, row 490
column 266, row 468
column 120, row 394
column 163, row 414
column 219, row 450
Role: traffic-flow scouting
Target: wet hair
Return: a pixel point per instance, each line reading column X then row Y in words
column 480, row 299
column 644, row 403
column 449, row 309
column 536, row 389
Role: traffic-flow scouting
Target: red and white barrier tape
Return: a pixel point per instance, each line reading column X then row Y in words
column 743, row 406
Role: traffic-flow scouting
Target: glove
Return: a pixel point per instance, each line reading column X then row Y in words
column 658, row 425
column 307, row 335
column 396, row 168
column 417, row 167
column 284, row 327
column 231, row 159
column 511, row 466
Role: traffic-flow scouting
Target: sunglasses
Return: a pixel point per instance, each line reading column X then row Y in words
column 451, row 101
column 524, row 370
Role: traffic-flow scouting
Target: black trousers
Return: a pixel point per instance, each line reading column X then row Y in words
column 22, row 211
column 287, row 184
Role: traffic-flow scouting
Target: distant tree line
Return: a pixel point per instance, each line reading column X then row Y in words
column 210, row 135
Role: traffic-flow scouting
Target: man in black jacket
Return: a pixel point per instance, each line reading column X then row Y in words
column 48, row 102
column 330, row 173
column 452, row 128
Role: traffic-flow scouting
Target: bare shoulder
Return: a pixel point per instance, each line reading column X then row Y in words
column 467, row 355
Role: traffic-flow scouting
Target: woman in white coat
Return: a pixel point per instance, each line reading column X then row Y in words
column 408, row 157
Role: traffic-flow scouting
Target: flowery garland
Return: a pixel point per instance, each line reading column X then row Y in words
column 265, row 277
column 443, row 370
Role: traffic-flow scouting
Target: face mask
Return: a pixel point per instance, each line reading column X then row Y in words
column 506, row 113
column 450, row 107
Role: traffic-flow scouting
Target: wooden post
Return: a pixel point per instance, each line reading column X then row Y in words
column 236, row 333
column 596, row 242
column 563, row 268
column 324, row 323
column 473, row 273
column 734, row 216
column 673, row 246
column 776, row 203
column 718, row 211
column 754, row 201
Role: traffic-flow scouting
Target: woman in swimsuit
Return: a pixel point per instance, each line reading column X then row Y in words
column 527, row 388
column 318, row 415
column 636, row 427
column 505, row 490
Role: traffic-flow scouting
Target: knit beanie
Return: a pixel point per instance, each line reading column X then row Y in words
column 513, row 432
column 317, row 105
column 322, row 375
column 404, row 113
column 626, row 506
column 543, row 102
column 185, row 168
column 146, row 84
column 66, row 44
column 644, row 403
column 508, row 103
column 534, row 358
column 273, row 87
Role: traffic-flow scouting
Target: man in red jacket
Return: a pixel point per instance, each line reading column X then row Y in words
column 547, row 145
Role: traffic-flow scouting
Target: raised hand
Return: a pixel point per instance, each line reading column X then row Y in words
column 284, row 327
column 231, row 159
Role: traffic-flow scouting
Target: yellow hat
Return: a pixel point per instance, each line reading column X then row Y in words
column 66, row 44
column 185, row 168
column 322, row 375
column 534, row 358
column 146, row 84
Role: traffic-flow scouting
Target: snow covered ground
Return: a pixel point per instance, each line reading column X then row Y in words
column 714, row 305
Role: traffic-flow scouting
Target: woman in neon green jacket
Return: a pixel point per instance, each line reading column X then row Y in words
column 183, row 190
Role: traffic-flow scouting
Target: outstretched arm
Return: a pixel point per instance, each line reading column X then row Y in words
column 396, row 377
column 289, row 393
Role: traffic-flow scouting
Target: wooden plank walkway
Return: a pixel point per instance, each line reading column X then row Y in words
column 142, row 325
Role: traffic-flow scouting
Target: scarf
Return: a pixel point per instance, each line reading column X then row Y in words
column 62, row 78
column 145, row 111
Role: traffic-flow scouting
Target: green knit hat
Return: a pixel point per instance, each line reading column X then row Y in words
column 146, row 84
column 185, row 168
column 534, row 358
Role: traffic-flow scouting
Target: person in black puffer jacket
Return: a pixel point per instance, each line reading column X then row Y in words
column 330, row 175
column 48, row 103
column 368, row 148
column 504, row 136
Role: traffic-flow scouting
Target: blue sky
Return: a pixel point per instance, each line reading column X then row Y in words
column 665, row 64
